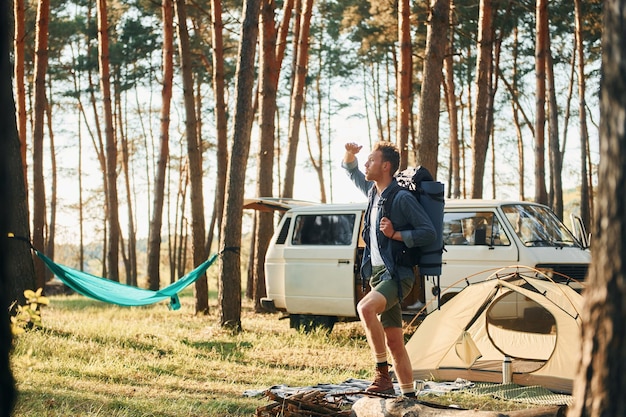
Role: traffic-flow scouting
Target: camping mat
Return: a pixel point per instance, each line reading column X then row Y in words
column 533, row 394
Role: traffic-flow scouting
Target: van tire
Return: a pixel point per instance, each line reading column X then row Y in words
column 307, row 323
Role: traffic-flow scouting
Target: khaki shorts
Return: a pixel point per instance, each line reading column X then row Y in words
column 392, row 316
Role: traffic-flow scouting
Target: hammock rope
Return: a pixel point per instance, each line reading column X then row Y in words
column 113, row 292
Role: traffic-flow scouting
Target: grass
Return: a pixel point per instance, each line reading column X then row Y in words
column 95, row 359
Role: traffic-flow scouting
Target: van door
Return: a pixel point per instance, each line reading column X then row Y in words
column 319, row 264
column 475, row 241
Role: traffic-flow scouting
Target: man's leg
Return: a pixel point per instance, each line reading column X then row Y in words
column 401, row 360
column 369, row 307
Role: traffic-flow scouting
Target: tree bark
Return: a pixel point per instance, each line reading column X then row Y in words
column 221, row 122
column 480, row 132
column 271, row 55
column 111, row 144
column 430, row 99
column 229, row 293
column 585, row 211
column 194, row 156
column 541, row 195
column 39, row 189
column 454, row 188
column 20, row 83
column 154, row 233
column 297, row 97
column 404, row 78
column 556, row 161
column 600, row 384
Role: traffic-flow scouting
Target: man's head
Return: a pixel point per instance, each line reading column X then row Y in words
column 383, row 162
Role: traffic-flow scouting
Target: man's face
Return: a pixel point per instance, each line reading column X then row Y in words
column 375, row 166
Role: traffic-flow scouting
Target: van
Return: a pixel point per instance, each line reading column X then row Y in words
column 312, row 263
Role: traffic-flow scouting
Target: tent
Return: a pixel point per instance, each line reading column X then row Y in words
column 534, row 322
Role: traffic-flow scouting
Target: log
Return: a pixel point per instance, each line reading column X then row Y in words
column 407, row 407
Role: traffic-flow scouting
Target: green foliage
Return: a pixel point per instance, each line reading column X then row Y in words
column 28, row 316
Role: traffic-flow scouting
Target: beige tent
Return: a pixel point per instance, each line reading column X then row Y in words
column 534, row 322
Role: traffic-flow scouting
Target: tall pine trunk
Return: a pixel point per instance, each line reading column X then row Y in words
column 194, row 156
column 585, row 194
column 541, row 195
column 430, row 99
column 404, row 78
column 480, row 132
column 600, row 384
column 229, row 293
column 297, row 97
column 39, row 193
column 111, row 144
column 154, row 233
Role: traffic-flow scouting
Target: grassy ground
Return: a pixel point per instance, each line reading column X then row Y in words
column 95, row 359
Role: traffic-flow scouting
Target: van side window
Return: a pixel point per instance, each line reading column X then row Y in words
column 323, row 229
column 282, row 236
column 473, row 228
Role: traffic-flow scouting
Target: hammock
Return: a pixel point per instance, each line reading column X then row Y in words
column 112, row 292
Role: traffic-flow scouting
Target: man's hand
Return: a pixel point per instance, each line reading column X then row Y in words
column 387, row 228
column 351, row 150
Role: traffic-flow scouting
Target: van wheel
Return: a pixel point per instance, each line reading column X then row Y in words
column 307, row 323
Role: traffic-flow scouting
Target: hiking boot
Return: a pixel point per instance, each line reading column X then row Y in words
column 382, row 382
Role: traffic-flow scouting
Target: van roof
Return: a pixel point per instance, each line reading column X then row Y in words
column 454, row 203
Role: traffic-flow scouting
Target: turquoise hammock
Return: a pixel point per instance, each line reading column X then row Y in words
column 112, row 292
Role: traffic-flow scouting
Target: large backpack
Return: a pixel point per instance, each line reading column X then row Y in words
column 430, row 194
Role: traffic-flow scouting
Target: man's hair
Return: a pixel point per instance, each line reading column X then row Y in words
column 389, row 153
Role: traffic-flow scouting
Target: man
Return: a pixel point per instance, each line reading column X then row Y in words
column 385, row 235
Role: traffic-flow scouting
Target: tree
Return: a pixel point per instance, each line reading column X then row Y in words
column 480, row 132
column 270, row 60
column 154, row 236
column 600, row 384
column 404, row 76
column 541, row 195
column 16, row 266
column 585, row 214
column 297, row 96
column 194, row 156
column 229, row 293
column 39, row 194
column 428, row 128
column 111, row 143
column 20, row 87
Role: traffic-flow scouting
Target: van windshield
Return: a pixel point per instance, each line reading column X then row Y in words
column 538, row 226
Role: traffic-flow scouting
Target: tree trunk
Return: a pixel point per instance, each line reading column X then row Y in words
column 585, row 212
column 556, row 162
column 230, row 267
column 194, row 156
column 454, row 188
column 154, row 233
column 221, row 123
column 17, row 272
column 111, row 145
column 270, row 63
column 53, row 191
column 428, row 127
column 20, row 83
column 404, row 78
column 39, row 190
column 541, row 195
column 600, row 384
column 297, row 98
column 480, row 132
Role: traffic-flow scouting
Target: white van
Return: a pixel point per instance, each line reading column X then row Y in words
column 313, row 261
